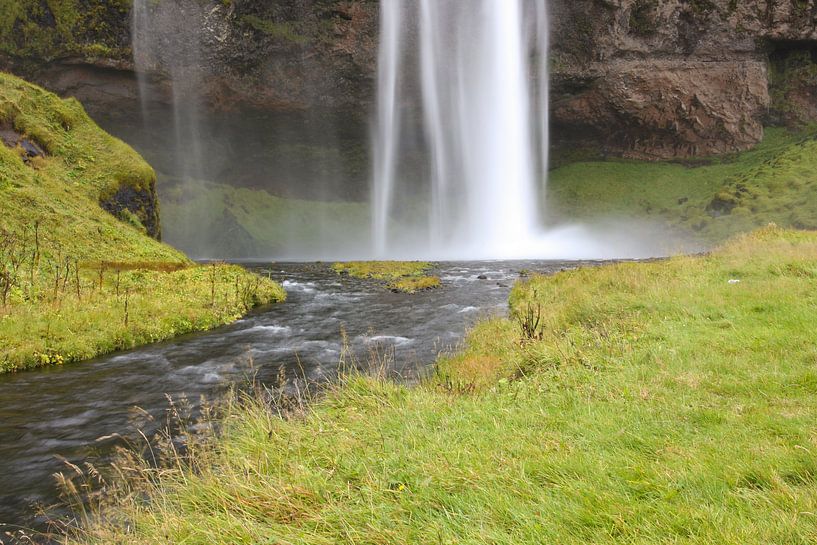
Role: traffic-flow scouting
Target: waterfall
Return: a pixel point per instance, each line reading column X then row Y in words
column 165, row 38
column 477, row 70
column 387, row 141
column 140, row 24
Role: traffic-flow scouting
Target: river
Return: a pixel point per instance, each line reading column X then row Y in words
column 60, row 413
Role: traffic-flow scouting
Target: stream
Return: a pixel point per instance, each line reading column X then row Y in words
column 60, row 413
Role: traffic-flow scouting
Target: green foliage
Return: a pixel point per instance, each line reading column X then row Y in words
column 773, row 183
column 662, row 404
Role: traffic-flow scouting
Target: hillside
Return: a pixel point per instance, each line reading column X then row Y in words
column 82, row 271
column 707, row 201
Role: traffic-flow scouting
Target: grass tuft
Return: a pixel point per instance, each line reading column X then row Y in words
column 415, row 284
column 382, row 270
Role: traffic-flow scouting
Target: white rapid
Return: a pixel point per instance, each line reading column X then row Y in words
column 478, row 71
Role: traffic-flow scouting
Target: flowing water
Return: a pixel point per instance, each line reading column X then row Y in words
column 480, row 69
column 62, row 412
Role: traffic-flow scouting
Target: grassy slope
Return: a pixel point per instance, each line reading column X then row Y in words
column 260, row 224
column 774, row 182
column 657, row 403
column 46, row 318
column 62, row 192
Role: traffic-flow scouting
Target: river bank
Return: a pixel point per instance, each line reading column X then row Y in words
column 642, row 403
column 82, row 268
column 82, row 413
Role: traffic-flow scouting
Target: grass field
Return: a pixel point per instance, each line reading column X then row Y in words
column 665, row 402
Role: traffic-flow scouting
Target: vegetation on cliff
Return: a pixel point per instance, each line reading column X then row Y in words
column 75, row 280
column 637, row 402
column 45, row 30
column 710, row 200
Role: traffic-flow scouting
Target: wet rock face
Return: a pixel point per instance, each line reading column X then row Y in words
column 662, row 79
column 650, row 79
column 657, row 109
column 268, row 55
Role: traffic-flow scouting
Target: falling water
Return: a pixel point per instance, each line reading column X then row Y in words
column 483, row 90
column 140, row 24
column 166, row 39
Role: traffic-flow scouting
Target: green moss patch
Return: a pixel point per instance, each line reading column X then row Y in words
column 285, row 30
column 49, row 29
column 415, row 284
column 400, row 276
column 709, row 201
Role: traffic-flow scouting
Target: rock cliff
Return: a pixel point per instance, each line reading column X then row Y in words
column 681, row 78
column 650, row 79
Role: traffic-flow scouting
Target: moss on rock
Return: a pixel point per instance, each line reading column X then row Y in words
column 48, row 29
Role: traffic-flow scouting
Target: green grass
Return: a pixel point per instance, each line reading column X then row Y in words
column 773, row 183
column 123, row 309
column 415, row 284
column 242, row 222
column 58, row 303
column 641, row 403
column 382, row 270
column 401, row 276
column 62, row 192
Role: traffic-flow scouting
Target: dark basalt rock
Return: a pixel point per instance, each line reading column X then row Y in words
column 721, row 205
column 129, row 202
column 14, row 139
